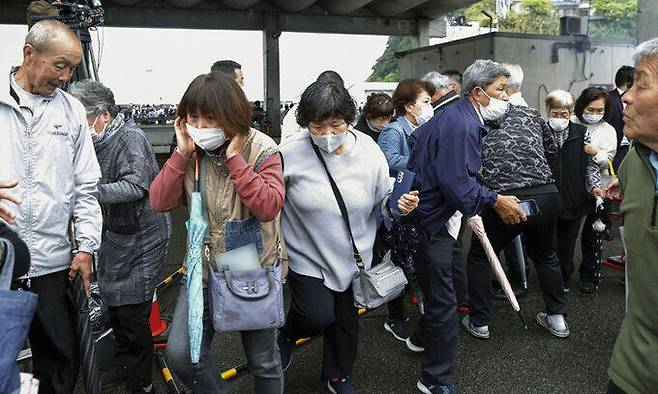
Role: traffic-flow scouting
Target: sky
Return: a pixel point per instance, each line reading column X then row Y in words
column 151, row 66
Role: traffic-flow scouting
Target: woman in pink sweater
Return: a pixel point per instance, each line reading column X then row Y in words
column 243, row 191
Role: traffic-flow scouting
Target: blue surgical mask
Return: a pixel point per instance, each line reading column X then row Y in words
column 330, row 142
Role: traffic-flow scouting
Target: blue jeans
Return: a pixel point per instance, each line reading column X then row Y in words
column 260, row 348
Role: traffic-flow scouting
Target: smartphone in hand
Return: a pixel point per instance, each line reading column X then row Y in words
column 529, row 207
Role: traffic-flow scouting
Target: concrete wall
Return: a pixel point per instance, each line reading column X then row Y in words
column 533, row 53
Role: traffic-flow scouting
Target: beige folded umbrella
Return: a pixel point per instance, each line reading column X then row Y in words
column 476, row 225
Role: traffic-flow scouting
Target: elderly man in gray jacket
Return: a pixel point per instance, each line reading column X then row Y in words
column 47, row 149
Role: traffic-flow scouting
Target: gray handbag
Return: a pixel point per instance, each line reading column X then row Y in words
column 246, row 300
column 379, row 284
column 243, row 300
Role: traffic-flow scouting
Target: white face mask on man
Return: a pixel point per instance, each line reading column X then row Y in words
column 558, row 124
column 495, row 110
column 329, row 142
column 207, row 139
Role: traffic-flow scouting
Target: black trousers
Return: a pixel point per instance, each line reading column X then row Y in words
column 442, row 280
column 539, row 234
column 316, row 309
column 567, row 235
column 512, row 262
column 53, row 336
column 134, row 346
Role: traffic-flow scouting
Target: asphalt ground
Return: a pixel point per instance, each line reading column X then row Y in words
column 513, row 360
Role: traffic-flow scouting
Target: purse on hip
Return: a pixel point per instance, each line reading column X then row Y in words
column 243, row 299
column 379, row 284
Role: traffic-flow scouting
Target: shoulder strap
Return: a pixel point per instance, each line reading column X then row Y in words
column 203, row 179
column 341, row 206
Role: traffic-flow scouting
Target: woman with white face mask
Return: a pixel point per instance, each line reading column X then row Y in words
column 590, row 109
column 243, row 193
column 135, row 236
column 320, row 252
column 412, row 100
column 377, row 114
column 576, row 176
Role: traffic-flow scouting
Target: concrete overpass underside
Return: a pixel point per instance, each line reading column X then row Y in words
column 417, row 18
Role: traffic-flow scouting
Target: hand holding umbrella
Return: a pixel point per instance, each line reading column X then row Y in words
column 475, row 223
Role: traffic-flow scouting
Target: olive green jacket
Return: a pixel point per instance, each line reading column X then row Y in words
column 634, row 364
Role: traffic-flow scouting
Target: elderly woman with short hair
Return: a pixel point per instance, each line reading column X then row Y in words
column 135, row 237
column 377, row 114
column 320, row 252
column 576, row 176
column 590, row 109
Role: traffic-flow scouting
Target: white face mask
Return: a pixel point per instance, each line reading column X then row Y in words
column 207, row 139
column 495, row 110
column 558, row 124
column 425, row 115
column 330, row 142
column 92, row 129
column 591, row 119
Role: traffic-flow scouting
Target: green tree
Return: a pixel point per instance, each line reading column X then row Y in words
column 386, row 69
column 534, row 16
column 473, row 13
column 619, row 19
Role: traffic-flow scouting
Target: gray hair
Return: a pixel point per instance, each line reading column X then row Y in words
column 439, row 81
column 43, row 32
column 516, row 75
column 482, row 73
column 645, row 49
column 559, row 99
column 95, row 97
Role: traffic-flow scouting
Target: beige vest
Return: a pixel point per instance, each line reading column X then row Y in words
column 223, row 204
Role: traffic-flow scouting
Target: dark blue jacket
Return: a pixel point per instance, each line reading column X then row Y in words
column 446, row 157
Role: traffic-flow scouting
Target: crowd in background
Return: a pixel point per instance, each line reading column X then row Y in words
column 315, row 211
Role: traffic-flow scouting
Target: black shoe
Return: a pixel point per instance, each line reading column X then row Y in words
column 286, row 349
column 415, row 343
column 428, row 388
column 519, row 292
column 587, row 287
column 399, row 329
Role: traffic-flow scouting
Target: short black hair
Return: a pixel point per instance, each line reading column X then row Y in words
column 625, row 76
column 325, row 100
column 227, row 67
column 588, row 95
column 332, row 77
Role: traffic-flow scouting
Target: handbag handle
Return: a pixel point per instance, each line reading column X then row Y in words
column 251, row 285
column 341, row 206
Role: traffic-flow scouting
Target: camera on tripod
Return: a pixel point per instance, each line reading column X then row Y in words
column 78, row 15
